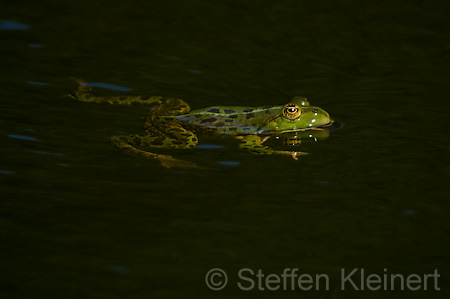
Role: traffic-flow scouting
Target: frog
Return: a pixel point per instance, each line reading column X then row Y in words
column 171, row 124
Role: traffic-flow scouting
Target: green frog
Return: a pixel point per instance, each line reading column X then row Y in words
column 171, row 124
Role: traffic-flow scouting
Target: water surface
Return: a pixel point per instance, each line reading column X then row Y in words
column 81, row 219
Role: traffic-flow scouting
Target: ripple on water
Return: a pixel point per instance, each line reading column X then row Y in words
column 6, row 172
column 409, row 212
column 209, row 146
column 49, row 153
column 22, row 137
column 195, row 72
column 108, row 86
column 37, row 83
column 12, row 25
column 229, row 163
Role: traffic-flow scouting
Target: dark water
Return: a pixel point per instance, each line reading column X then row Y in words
column 81, row 219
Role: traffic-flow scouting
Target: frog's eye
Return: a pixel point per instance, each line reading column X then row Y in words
column 291, row 111
column 302, row 100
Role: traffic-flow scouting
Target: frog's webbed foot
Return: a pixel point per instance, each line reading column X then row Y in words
column 127, row 142
column 254, row 144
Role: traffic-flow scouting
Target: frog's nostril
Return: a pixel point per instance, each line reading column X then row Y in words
column 315, row 110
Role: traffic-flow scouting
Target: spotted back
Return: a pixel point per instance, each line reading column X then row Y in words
column 232, row 120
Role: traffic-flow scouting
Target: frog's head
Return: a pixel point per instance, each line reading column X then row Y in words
column 299, row 115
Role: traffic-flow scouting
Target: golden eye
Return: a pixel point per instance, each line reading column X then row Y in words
column 291, row 111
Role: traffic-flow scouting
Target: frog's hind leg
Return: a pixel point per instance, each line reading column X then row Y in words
column 83, row 93
column 174, row 137
column 129, row 143
column 254, row 144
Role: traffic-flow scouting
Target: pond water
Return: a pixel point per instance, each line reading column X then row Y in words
column 82, row 219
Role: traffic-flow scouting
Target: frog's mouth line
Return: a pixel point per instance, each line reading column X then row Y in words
column 322, row 127
column 332, row 121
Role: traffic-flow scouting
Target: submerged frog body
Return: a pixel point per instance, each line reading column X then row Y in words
column 171, row 124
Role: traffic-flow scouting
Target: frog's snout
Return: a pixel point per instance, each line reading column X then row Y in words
column 317, row 117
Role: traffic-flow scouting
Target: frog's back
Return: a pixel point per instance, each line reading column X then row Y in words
column 231, row 119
